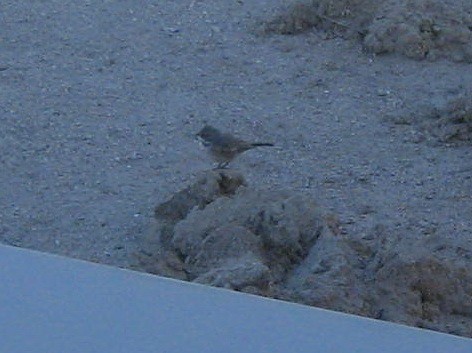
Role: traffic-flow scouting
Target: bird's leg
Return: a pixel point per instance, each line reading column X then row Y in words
column 222, row 165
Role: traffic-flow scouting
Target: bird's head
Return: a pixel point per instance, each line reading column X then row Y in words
column 207, row 134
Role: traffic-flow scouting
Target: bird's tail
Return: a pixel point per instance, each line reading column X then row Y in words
column 257, row 144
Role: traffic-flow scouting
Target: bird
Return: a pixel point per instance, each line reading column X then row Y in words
column 224, row 147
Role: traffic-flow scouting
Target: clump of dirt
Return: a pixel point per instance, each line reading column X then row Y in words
column 453, row 123
column 158, row 254
column 418, row 29
column 244, row 240
column 448, row 121
column 281, row 244
column 430, row 287
column 423, row 29
column 349, row 17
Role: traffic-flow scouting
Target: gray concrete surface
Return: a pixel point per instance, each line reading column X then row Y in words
column 54, row 304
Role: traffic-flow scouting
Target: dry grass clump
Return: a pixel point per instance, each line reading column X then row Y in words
column 419, row 29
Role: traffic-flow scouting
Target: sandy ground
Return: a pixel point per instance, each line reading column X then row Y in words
column 100, row 102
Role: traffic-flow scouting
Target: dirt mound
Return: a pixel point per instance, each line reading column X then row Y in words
column 281, row 244
column 428, row 287
column 244, row 240
column 419, row 29
column 453, row 123
column 447, row 120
